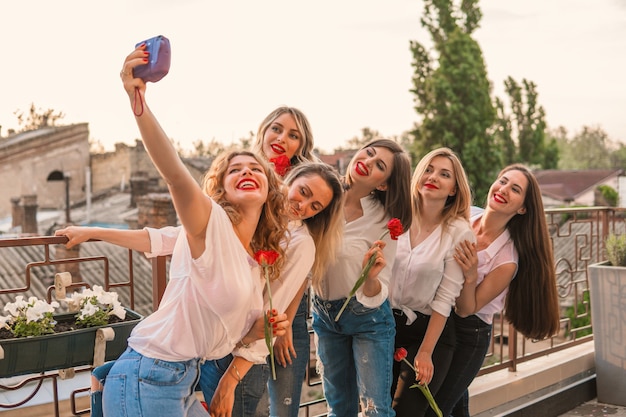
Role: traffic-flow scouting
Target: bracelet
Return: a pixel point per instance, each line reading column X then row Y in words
column 237, row 373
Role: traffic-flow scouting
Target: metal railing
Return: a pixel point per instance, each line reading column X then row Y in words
column 577, row 235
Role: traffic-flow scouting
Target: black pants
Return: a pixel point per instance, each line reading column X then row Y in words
column 411, row 401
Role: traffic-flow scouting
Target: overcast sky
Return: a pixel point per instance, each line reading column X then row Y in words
column 345, row 63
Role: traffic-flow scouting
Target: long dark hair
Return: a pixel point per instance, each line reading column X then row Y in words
column 396, row 199
column 532, row 303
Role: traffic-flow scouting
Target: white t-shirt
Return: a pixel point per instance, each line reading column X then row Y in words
column 358, row 237
column 209, row 303
column 426, row 278
column 501, row 251
column 299, row 256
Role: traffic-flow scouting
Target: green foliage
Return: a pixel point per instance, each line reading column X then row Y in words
column 521, row 130
column 579, row 316
column 615, row 246
column 452, row 92
column 32, row 317
column 23, row 328
column 589, row 149
column 99, row 316
column 609, row 194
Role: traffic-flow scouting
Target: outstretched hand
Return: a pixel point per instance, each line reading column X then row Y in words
column 75, row 235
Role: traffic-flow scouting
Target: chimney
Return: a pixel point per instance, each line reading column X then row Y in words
column 29, row 222
column 17, row 213
column 155, row 210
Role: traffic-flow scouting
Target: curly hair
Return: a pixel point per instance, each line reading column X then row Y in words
column 272, row 224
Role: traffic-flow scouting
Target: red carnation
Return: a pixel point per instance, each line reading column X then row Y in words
column 399, row 356
column 281, row 164
column 266, row 258
column 395, row 229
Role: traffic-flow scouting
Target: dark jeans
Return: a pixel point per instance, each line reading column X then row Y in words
column 472, row 342
column 411, row 401
column 247, row 393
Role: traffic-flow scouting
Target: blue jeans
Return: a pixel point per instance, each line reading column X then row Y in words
column 472, row 342
column 285, row 391
column 410, row 401
column 356, row 355
column 138, row 386
column 95, row 397
column 247, row 393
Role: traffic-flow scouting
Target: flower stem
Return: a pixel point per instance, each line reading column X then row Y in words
column 269, row 336
column 359, row 283
column 426, row 391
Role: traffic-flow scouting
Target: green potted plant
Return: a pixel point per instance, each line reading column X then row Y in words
column 33, row 339
column 607, row 287
column 615, row 246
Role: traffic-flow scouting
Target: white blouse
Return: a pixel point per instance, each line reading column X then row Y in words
column 299, row 256
column 426, row 278
column 209, row 303
column 358, row 237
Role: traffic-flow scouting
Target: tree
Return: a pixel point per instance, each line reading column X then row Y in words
column 452, row 92
column 521, row 132
column 589, row 149
column 37, row 118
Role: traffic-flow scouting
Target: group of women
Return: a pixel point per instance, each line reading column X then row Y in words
column 433, row 291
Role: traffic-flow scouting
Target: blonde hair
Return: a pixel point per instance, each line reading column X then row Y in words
column 305, row 151
column 457, row 205
column 326, row 227
column 272, row 224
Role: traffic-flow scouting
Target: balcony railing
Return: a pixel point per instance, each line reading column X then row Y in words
column 577, row 236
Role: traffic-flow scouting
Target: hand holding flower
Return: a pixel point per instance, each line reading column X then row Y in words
column 400, row 356
column 395, row 229
column 266, row 259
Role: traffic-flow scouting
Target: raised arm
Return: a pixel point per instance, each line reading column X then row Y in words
column 192, row 205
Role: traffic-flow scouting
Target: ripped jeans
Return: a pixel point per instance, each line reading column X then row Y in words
column 99, row 374
column 356, row 354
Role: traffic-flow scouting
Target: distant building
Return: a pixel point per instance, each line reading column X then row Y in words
column 339, row 159
column 35, row 166
column 575, row 187
column 38, row 162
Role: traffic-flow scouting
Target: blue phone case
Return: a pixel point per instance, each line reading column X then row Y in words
column 159, row 59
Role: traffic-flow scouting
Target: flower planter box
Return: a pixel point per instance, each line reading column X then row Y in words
column 26, row 355
column 607, row 290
